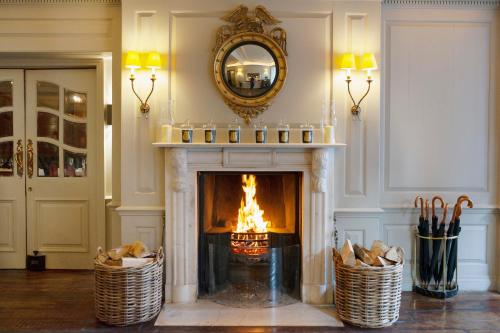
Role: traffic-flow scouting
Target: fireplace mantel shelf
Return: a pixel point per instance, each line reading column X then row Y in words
column 249, row 145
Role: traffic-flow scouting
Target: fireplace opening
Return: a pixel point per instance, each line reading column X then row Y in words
column 249, row 247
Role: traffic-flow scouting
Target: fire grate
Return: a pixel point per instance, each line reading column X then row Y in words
column 250, row 244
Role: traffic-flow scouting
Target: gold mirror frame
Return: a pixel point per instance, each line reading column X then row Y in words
column 249, row 30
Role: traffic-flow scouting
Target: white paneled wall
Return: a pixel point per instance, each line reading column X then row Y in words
column 429, row 125
column 439, row 126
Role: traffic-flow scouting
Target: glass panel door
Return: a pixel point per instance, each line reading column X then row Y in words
column 61, row 108
column 12, row 170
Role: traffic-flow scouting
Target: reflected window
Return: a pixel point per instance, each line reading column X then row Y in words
column 6, row 93
column 48, row 125
column 48, row 159
column 6, row 124
column 6, row 158
column 75, row 164
column 75, row 134
column 47, row 95
column 75, row 103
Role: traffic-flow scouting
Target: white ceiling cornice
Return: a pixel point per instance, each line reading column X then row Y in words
column 444, row 3
column 61, row 2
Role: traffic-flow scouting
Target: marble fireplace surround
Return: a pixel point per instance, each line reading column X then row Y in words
column 182, row 164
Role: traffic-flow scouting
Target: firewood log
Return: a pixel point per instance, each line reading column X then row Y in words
column 363, row 254
column 359, row 263
column 381, row 262
column 347, row 254
column 379, row 248
column 395, row 254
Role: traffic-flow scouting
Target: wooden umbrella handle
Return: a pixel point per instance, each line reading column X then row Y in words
column 437, row 197
column 426, row 209
column 445, row 212
column 421, row 204
column 460, row 200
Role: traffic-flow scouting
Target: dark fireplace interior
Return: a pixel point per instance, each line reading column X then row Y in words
column 249, row 247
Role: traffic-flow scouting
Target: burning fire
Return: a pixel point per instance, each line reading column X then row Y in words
column 250, row 236
column 250, row 216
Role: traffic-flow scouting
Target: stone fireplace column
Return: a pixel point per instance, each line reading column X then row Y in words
column 317, row 240
column 181, row 284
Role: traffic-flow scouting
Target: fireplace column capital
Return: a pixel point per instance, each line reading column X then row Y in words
column 319, row 168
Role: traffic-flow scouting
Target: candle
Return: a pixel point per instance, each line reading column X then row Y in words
column 329, row 134
column 283, row 132
column 234, row 132
column 210, row 132
column 307, row 133
column 187, row 132
column 260, row 133
column 166, row 133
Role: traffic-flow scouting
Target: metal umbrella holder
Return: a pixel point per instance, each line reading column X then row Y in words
column 442, row 288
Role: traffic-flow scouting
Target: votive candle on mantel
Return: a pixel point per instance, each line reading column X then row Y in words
column 260, row 133
column 283, row 132
column 234, row 131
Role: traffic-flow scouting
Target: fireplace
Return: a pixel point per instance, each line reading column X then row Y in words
column 303, row 227
column 249, row 248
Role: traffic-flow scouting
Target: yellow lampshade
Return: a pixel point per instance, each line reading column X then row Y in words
column 153, row 60
column 133, row 60
column 348, row 61
column 368, row 62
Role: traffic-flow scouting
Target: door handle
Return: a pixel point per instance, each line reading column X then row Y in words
column 29, row 153
column 19, row 157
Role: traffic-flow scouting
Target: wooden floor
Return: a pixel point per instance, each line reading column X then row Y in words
column 57, row 301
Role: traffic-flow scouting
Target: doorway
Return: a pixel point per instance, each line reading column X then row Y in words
column 50, row 196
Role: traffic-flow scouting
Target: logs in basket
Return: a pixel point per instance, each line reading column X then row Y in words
column 128, row 295
column 367, row 296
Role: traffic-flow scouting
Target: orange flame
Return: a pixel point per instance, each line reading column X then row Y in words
column 250, row 216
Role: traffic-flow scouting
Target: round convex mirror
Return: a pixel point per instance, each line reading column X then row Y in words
column 250, row 70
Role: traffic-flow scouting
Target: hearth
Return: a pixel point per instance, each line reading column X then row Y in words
column 249, row 251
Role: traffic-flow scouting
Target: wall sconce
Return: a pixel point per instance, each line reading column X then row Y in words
column 368, row 64
column 133, row 62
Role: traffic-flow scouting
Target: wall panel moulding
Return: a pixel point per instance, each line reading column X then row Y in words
column 443, row 3
column 61, row 2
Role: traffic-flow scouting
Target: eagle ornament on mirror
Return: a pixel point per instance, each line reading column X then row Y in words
column 250, row 60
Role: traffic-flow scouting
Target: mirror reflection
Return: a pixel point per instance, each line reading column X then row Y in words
column 250, row 70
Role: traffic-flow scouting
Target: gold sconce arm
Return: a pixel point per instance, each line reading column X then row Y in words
column 144, row 104
column 356, row 109
column 153, row 62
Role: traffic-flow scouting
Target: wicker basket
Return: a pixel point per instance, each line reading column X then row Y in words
column 367, row 296
column 128, row 295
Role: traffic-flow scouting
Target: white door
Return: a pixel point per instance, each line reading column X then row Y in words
column 12, row 170
column 63, row 197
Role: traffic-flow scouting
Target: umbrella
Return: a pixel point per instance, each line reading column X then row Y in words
column 446, row 249
column 452, row 259
column 423, row 230
column 437, row 232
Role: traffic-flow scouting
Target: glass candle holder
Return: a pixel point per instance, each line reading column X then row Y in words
column 210, row 132
column 283, row 132
column 260, row 133
column 307, row 133
column 234, row 132
column 187, row 132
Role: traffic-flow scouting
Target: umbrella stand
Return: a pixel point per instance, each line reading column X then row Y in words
column 442, row 266
column 445, row 291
